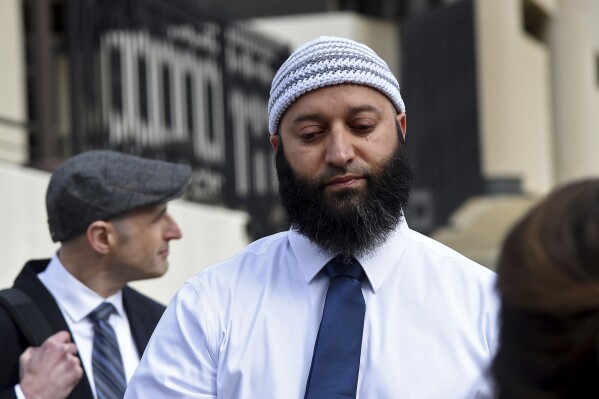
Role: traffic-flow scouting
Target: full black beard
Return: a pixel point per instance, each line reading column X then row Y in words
column 352, row 222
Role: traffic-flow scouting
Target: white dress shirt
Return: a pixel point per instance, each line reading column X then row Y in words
column 245, row 328
column 76, row 301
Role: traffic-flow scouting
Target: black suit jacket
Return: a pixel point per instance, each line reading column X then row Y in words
column 143, row 313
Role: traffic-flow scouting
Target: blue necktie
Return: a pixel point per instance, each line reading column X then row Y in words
column 336, row 358
column 107, row 364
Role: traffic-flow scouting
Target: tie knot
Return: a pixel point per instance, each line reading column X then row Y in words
column 102, row 312
column 337, row 268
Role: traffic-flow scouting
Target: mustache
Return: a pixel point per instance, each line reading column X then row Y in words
column 333, row 171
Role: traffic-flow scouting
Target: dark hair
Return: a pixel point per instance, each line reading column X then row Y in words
column 548, row 281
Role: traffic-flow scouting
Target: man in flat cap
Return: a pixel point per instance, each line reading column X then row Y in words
column 109, row 212
column 349, row 303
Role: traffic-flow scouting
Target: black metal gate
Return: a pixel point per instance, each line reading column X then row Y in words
column 439, row 86
column 167, row 80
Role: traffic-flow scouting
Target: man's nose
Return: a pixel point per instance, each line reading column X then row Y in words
column 340, row 148
column 172, row 232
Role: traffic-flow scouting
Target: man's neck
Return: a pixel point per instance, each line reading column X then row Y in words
column 91, row 270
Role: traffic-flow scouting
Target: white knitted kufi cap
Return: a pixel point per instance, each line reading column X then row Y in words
column 328, row 61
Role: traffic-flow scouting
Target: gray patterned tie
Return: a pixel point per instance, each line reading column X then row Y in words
column 107, row 365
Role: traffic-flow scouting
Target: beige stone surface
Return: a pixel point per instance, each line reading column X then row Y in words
column 478, row 227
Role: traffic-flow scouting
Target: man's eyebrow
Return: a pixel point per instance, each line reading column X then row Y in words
column 306, row 117
column 351, row 110
column 364, row 108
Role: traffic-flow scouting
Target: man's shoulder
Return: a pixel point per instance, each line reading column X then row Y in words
column 466, row 288
column 266, row 245
column 12, row 344
column 12, row 340
column 30, row 271
column 441, row 256
column 258, row 256
column 27, row 281
column 260, row 251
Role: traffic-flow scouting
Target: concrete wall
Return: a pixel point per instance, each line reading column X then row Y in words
column 13, row 139
column 382, row 36
column 515, row 98
column 575, row 41
column 210, row 234
column 539, row 99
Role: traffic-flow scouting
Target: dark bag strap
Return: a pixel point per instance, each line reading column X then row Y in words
column 27, row 315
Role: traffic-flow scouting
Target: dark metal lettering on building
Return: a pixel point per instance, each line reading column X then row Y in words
column 166, row 80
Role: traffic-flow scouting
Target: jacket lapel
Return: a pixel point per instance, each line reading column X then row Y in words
column 141, row 326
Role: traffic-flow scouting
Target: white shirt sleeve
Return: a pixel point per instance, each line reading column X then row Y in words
column 180, row 360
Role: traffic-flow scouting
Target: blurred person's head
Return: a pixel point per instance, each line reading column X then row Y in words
column 338, row 126
column 109, row 212
column 548, row 280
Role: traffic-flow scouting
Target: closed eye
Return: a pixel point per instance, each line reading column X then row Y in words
column 363, row 127
column 310, row 136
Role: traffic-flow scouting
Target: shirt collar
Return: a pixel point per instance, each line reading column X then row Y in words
column 377, row 265
column 75, row 299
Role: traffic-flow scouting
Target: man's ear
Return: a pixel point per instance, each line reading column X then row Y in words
column 274, row 141
column 99, row 236
column 402, row 121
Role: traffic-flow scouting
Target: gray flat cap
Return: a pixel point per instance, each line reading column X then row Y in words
column 100, row 185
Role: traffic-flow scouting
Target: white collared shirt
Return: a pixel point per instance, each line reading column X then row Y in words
column 76, row 301
column 245, row 328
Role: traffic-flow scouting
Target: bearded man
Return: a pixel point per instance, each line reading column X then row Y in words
column 349, row 303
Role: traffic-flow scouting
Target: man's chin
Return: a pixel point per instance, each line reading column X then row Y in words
column 343, row 203
column 344, row 196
